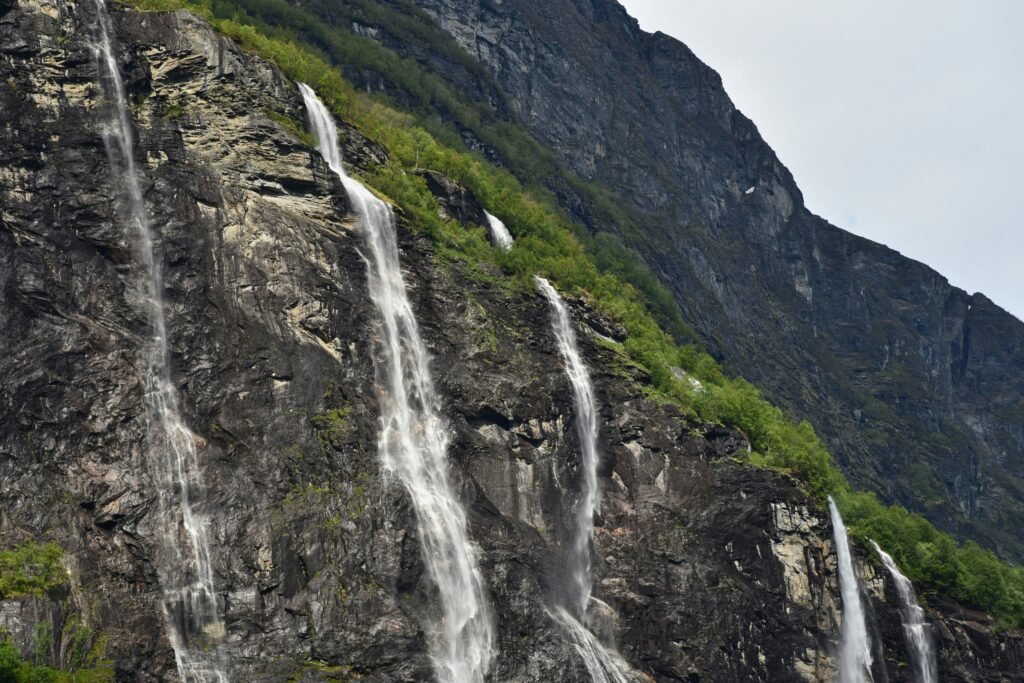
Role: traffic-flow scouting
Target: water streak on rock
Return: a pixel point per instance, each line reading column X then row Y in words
column 915, row 628
column 603, row 663
column 854, row 644
column 414, row 438
column 190, row 606
column 500, row 235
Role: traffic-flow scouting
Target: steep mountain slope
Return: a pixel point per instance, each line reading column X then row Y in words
column 917, row 386
column 713, row 570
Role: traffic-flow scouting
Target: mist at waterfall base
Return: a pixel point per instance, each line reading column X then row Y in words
column 602, row 662
column 183, row 563
column 413, row 442
column 916, row 630
column 854, row 643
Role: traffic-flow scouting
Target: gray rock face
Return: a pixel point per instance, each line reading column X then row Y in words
column 917, row 386
column 714, row 571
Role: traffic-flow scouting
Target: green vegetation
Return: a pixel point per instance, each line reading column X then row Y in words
column 323, row 500
column 547, row 244
column 83, row 658
column 172, row 111
column 297, row 130
column 326, row 672
column 333, row 427
column 308, row 497
column 34, row 569
column 968, row 573
column 13, row 669
column 30, row 569
column 432, row 103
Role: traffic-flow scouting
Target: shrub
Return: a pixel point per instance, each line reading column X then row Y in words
column 30, row 569
column 596, row 268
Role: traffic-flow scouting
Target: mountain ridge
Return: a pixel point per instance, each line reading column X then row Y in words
column 316, row 559
column 743, row 265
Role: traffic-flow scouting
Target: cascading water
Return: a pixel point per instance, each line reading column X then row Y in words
column 183, row 562
column 500, row 235
column 586, row 429
column 604, row 664
column 414, row 438
column 854, row 644
column 915, row 628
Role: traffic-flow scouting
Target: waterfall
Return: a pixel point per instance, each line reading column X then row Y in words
column 915, row 628
column 183, row 561
column 413, row 441
column 604, row 665
column 854, row 645
column 500, row 235
column 586, row 429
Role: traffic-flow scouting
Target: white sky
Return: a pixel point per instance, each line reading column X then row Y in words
column 901, row 120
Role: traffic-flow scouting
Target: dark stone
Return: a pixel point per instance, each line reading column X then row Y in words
column 879, row 352
column 455, row 200
column 315, row 552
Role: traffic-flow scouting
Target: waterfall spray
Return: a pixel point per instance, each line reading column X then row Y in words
column 586, row 429
column 915, row 628
column 500, row 235
column 183, row 562
column 414, row 439
column 854, row 645
column 603, row 663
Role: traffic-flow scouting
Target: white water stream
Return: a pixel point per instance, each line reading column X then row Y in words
column 413, row 441
column 500, row 235
column 586, row 430
column 916, row 630
column 854, row 644
column 604, row 664
column 183, row 561
column 413, row 444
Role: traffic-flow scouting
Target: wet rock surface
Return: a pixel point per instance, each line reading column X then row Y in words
column 710, row 570
column 879, row 352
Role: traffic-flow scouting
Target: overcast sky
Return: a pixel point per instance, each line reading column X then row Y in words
column 902, row 120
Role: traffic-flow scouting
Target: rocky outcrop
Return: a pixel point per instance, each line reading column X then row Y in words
column 712, row 570
column 455, row 202
column 917, row 386
column 968, row 645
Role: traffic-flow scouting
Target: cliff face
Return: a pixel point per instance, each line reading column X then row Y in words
column 917, row 386
column 713, row 571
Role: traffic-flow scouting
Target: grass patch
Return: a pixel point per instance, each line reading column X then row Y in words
column 549, row 245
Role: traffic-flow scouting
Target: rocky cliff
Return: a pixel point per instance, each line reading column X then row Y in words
column 713, row 570
column 917, row 386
